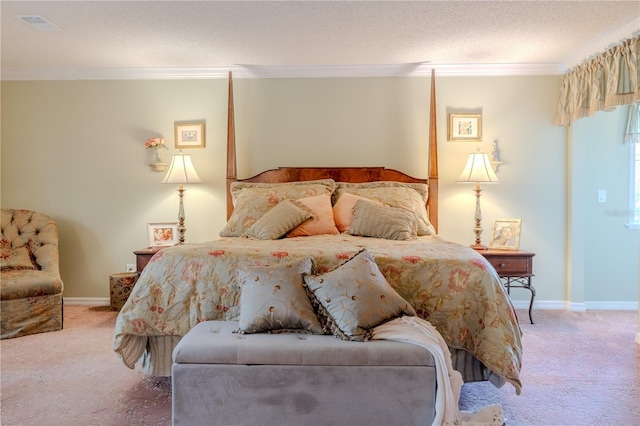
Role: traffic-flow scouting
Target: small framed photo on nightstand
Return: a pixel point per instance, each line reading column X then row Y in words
column 162, row 234
column 505, row 234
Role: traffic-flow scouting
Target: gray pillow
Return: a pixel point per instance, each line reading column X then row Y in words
column 355, row 297
column 273, row 298
column 371, row 219
column 281, row 219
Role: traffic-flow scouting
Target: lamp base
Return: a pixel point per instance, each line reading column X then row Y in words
column 478, row 247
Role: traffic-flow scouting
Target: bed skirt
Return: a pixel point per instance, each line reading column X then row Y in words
column 157, row 360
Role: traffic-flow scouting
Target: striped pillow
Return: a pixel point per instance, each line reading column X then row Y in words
column 275, row 223
column 371, row 219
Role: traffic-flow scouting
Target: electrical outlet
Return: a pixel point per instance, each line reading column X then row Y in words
column 131, row 267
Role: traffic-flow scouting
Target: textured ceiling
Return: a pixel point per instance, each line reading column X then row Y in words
column 118, row 36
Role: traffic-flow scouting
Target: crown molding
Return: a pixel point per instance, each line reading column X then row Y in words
column 597, row 46
column 260, row 71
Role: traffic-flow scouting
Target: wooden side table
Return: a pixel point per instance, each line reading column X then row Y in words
column 143, row 256
column 515, row 268
column 121, row 284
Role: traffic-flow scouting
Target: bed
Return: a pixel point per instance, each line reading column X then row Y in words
column 448, row 284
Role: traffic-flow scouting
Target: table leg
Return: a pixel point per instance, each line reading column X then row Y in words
column 526, row 284
column 529, row 287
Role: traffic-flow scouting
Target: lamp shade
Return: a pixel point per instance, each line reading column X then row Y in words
column 181, row 170
column 478, row 169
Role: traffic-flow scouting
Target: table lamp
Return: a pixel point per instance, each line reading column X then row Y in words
column 477, row 170
column 181, row 171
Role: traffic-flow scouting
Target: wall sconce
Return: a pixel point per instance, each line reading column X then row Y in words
column 181, row 171
column 478, row 169
column 495, row 156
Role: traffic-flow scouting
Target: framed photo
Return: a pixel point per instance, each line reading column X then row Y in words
column 189, row 134
column 505, row 234
column 465, row 128
column 162, row 234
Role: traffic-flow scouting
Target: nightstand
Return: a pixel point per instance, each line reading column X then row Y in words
column 121, row 284
column 143, row 256
column 515, row 268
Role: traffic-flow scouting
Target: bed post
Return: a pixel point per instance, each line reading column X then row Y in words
column 232, row 173
column 433, row 157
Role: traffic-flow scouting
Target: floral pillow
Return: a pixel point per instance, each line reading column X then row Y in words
column 15, row 258
column 273, row 299
column 354, row 298
column 322, row 221
column 409, row 196
column 252, row 200
column 279, row 220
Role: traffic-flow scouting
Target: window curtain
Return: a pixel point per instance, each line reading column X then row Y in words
column 601, row 83
column 632, row 135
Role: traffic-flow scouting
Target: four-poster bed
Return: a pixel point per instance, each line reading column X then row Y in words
column 452, row 286
column 339, row 174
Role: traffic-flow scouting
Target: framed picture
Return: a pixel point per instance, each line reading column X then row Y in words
column 189, row 134
column 465, row 127
column 162, row 234
column 505, row 234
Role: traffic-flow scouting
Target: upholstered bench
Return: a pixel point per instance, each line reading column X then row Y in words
column 223, row 378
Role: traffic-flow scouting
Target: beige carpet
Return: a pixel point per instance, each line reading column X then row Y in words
column 579, row 369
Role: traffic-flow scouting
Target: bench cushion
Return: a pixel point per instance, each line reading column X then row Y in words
column 214, row 342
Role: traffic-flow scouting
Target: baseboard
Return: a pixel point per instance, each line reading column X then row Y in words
column 577, row 307
column 612, row 306
column 87, row 301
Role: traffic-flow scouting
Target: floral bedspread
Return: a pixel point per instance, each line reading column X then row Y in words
column 448, row 284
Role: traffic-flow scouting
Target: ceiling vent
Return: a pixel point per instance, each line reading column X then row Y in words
column 38, row 22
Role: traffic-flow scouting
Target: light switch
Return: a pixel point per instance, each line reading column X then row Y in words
column 602, row 195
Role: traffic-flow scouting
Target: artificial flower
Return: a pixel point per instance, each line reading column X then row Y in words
column 154, row 143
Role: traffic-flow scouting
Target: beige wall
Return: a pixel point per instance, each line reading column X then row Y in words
column 74, row 149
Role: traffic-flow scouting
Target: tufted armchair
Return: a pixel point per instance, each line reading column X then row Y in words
column 30, row 283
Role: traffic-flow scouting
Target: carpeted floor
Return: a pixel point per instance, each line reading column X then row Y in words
column 579, row 369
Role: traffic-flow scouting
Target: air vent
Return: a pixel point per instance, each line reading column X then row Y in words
column 38, row 22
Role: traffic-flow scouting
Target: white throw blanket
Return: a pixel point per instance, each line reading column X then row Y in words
column 449, row 381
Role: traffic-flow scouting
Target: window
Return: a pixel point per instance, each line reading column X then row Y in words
column 634, row 199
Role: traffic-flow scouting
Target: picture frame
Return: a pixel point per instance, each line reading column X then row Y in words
column 189, row 134
column 505, row 234
column 465, row 127
column 162, row 234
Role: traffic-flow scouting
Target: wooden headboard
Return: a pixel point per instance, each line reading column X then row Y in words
column 339, row 174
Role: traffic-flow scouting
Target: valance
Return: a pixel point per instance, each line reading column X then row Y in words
column 601, row 83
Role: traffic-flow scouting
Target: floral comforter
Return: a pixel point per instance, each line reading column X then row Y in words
column 450, row 285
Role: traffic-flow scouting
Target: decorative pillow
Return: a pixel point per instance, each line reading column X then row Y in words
column 252, row 200
column 370, row 219
column 279, row 220
column 322, row 221
column 355, row 297
column 273, row 298
column 409, row 196
column 343, row 210
column 16, row 258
